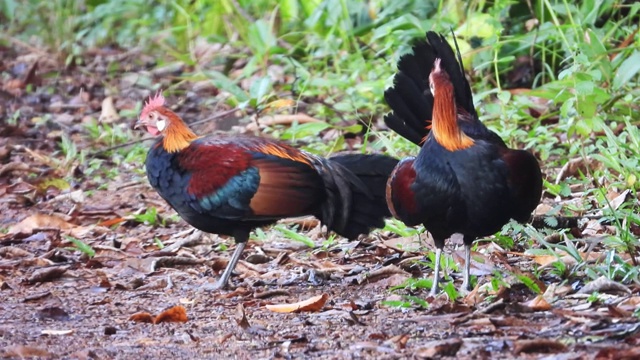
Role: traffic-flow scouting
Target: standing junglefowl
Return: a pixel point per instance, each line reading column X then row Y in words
column 232, row 184
column 465, row 179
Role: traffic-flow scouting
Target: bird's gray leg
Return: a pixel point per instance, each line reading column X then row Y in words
column 224, row 278
column 466, row 282
column 436, row 274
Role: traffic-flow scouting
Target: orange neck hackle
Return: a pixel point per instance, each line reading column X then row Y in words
column 177, row 135
column 444, row 125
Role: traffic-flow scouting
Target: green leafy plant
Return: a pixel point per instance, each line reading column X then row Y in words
column 149, row 217
column 293, row 235
column 79, row 245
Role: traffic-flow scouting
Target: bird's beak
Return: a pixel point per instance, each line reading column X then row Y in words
column 140, row 123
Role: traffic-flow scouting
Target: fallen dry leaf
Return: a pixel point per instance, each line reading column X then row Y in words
column 438, row 349
column 24, row 351
column 618, row 199
column 619, row 312
column 12, row 252
column 630, row 304
column 388, row 282
column 43, row 221
column 602, row 284
column 47, row 274
column 554, row 291
column 478, row 268
column 109, row 113
column 278, row 104
column 56, row 332
column 404, row 244
column 186, row 301
column 13, row 166
column 537, row 346
column 538, row 304
column 241, row 317
column 111, row 222
column 142, row 317
column 399, row 340
column 577, row 166
column 37, row 221
column 616, row 353
column 545, row 260
column 381, row 273
column 175, row 314
column 313, row 304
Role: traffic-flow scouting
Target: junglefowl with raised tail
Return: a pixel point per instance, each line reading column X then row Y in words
column 464, row 179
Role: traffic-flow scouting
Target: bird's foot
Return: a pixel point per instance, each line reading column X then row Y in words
column 434, row 289
column 463, row 291
column 209, row 287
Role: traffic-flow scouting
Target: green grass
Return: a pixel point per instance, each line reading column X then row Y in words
column 339, row 56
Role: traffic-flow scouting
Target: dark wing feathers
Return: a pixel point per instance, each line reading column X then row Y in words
column 524, row 181
column 411, row 108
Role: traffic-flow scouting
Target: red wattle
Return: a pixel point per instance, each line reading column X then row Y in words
column 153, row 130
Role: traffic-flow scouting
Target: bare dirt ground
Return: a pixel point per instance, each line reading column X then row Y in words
column 107, row 295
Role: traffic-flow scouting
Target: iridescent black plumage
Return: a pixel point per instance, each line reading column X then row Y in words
column 464, row 179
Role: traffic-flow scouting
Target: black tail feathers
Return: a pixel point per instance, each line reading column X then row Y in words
column 410, row 97
column 366, row 206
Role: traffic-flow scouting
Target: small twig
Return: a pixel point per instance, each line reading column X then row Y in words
column 215, row 117
column 13, row 166
column 133, row 142
column 624, row 44
column 102, row 151
column 270, row 293
column 483, row 311
column 332, row 108
column 294, row 92
column 172, row 261
column 130, row 184
column 301, row 118
column 186, row 241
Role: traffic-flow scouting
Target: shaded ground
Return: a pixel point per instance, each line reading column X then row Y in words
column 58, row 302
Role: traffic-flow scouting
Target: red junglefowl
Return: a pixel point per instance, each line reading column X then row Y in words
column 465, row 179
column 232, row 184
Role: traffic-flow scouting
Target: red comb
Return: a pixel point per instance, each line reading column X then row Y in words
column 153, row 103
